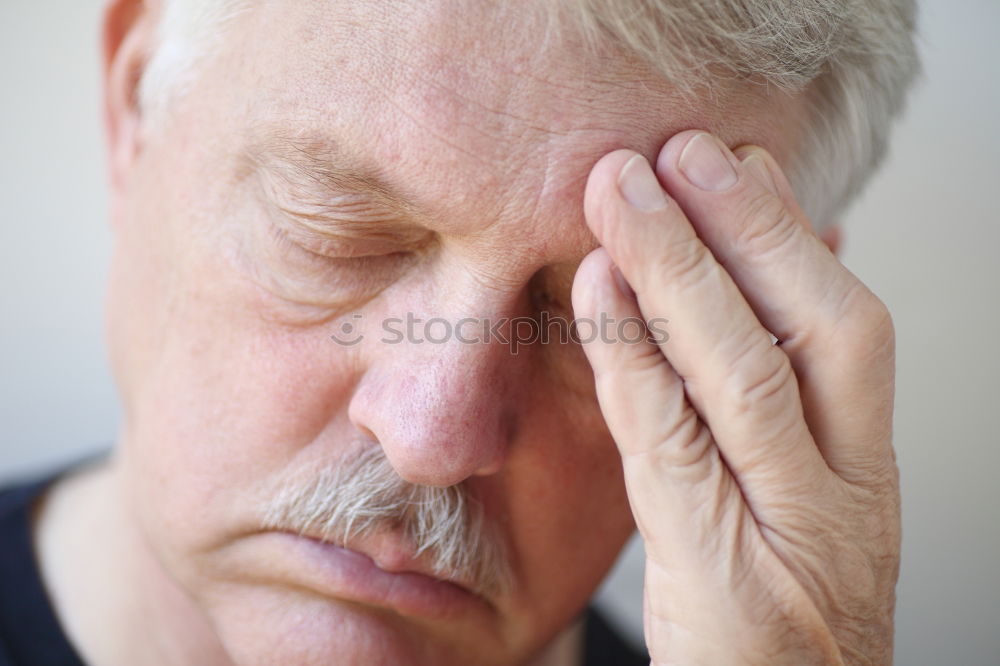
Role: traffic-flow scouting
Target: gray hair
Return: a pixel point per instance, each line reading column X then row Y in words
column 362, row 495
column 854, row 60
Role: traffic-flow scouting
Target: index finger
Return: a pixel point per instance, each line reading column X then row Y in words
column 740, row 384
column 836, row 333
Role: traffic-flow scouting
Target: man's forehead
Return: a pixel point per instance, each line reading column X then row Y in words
column 479, row 112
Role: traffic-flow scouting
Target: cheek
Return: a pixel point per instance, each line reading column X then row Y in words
column 218, row 401
column 568, row 508
column 217, row 397
column 226, row 405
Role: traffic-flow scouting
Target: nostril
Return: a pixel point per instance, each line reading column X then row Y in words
column 492, row 467
column 365, row 432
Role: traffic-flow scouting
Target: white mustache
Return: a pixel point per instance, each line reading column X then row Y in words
column 362, row 495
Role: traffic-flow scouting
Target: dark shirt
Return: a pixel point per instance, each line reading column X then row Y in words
column 30, row 634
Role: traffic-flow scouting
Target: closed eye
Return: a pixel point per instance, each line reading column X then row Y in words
column 340, row 222
column 347, row 230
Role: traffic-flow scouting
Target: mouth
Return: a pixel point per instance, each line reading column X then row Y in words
column 376, row 571
column 392, row 554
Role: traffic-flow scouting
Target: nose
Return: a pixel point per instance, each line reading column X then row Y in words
column 442, row 412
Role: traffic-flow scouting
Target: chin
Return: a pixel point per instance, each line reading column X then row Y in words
column 269, row 626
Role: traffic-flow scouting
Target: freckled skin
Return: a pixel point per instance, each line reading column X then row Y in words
column 220, row 337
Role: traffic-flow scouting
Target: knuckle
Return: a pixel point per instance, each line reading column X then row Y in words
column 864, row 324
column 875, row 475
column 761, row 380
column 766, row 226
column 684, row 443
column 687, row 264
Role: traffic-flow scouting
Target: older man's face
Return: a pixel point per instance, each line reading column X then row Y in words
column 345, row 159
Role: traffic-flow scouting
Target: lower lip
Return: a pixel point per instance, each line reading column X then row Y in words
column 351, row 576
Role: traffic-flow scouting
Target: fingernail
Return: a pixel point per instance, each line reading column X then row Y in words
column 623, row 286
column 705, row 165
column 639, row 186
column 757, row 168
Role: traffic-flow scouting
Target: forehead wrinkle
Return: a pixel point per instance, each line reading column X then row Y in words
column 542, row 227
column 456, row 87
column 499, row 115
column 546, row 226
column 513, row 74
column 510, row 178
column 445, row 100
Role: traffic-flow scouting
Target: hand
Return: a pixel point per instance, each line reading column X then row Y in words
column 761, row 476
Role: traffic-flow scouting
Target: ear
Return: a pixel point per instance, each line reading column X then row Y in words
column 127, row 40
column 832, row 236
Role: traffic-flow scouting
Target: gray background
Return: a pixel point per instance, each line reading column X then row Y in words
column 924, row 237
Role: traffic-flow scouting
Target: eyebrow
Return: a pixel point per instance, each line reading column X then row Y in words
column 322, row 163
